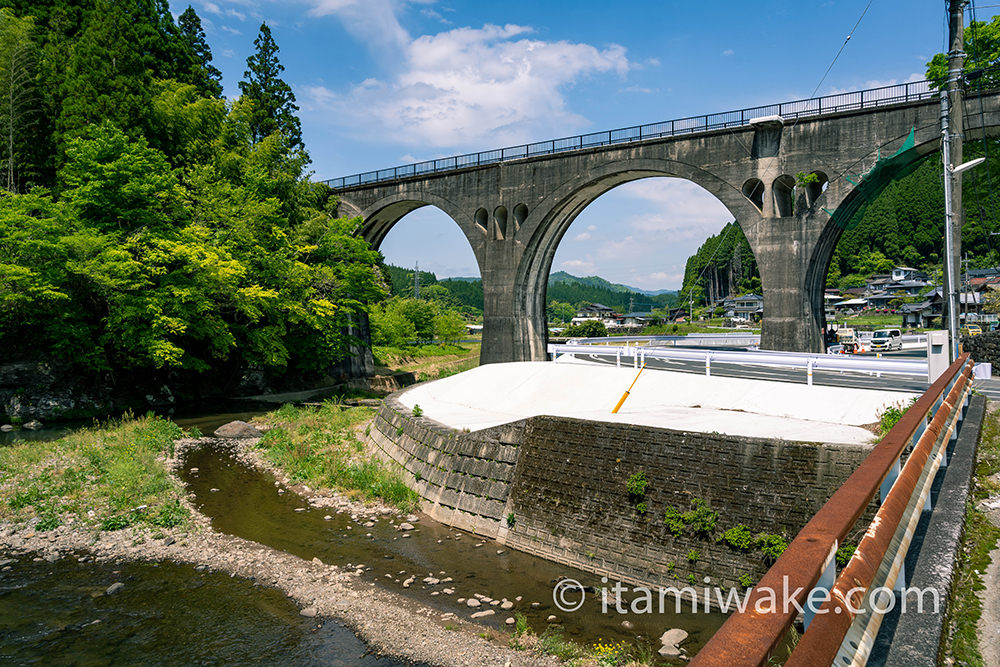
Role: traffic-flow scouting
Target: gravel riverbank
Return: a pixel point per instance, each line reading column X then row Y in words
column 390, row 624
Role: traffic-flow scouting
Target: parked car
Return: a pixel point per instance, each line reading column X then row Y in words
column 970, row 330
column 887, row 339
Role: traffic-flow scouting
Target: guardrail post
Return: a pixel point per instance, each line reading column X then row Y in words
column 887, row 483
column 708, row 365
column 618, row 358
column 809, row 373
column 825, row 583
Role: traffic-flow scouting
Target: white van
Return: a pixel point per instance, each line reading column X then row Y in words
column 887, row 339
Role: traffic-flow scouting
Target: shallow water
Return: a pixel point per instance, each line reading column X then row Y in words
column 166, row 614
column 248, row 504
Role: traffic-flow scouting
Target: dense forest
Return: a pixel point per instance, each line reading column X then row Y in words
column 152, row 231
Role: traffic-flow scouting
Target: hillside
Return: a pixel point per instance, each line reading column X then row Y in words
column 562, row 288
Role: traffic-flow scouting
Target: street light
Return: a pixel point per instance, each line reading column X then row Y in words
column 966, row 165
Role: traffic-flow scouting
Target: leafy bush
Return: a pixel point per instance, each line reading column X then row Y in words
column 746, row 581
column 636, row 484
column 771, row 546
column 641, row 508
column 511, row 520
column 418, row 411
column 674, row 520
column 845, row 553
column 701, row 519
column 738, row 537
column 693, row 555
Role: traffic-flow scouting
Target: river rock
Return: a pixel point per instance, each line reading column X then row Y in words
column 669, row 651
column 673, row 637
column 114, row 588
column 472, row 602
column 405, row 526
column 627, row 625
column 483, row 614
column 33, row 425
column 408, row 582
column 510, row 621
column 506, row 604
column 309, row 612
column 237, row 429
column 6, row 428
column 551, row 619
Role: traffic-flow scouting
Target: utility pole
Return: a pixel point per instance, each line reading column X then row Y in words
column 952, row 111
column 416, row 281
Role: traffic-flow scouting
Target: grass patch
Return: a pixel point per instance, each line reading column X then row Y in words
column 602, row 654
column 429, row 362
column 979, row 539
column 110, row 476
column 318, row 446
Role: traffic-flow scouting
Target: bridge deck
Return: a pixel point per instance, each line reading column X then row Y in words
column 851, row 101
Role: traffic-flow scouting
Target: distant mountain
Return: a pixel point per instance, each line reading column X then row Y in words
column 562, row 286
column 655, row 292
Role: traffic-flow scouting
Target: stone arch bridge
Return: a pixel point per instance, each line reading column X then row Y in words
column 514, row 205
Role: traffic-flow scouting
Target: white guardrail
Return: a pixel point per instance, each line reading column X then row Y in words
column 806, row 362
column 736, row 339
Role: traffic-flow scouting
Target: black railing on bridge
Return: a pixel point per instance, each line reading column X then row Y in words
column 859, row 99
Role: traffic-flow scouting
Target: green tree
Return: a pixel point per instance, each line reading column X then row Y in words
column 449, row 326
column 558, row 311
column 982, row 46
column 99, row 88
column 205, row 76
column 588, row 329
column 271, row 100
column 19, row 104
column 117, row 184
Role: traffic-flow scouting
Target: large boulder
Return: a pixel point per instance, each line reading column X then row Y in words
column 237, row 429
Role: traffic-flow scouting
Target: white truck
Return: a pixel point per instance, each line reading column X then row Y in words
column 848, row 339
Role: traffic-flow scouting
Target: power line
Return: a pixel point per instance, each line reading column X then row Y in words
column 846, row 40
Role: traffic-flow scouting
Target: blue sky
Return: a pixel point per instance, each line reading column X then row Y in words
column 386, row 82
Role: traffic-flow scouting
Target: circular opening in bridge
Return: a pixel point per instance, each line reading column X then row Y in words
column 640, row 255
column 753, row 190
column 816, row 184
column 784, row 196
column 435, row 287
column 500, row 215
column 482, row 218
column 520, row 213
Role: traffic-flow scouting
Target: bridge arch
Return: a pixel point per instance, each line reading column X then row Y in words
column 381, row 216
column 548, row 223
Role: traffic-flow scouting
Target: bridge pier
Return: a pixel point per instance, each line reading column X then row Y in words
column 792, row 274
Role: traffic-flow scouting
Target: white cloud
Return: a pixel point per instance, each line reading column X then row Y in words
column 582, row 236
column 878, row 83
column 468, row 86
column 728, row 52
column 374, row 21
column 212, row 8
column 578, row 264
column 639, row 89
column 231, row 30
column 228, row 53
column 236, row 14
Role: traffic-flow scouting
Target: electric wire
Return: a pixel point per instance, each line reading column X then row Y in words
column 842, row 46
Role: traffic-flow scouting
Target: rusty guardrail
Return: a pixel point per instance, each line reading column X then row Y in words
column 838, row 631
